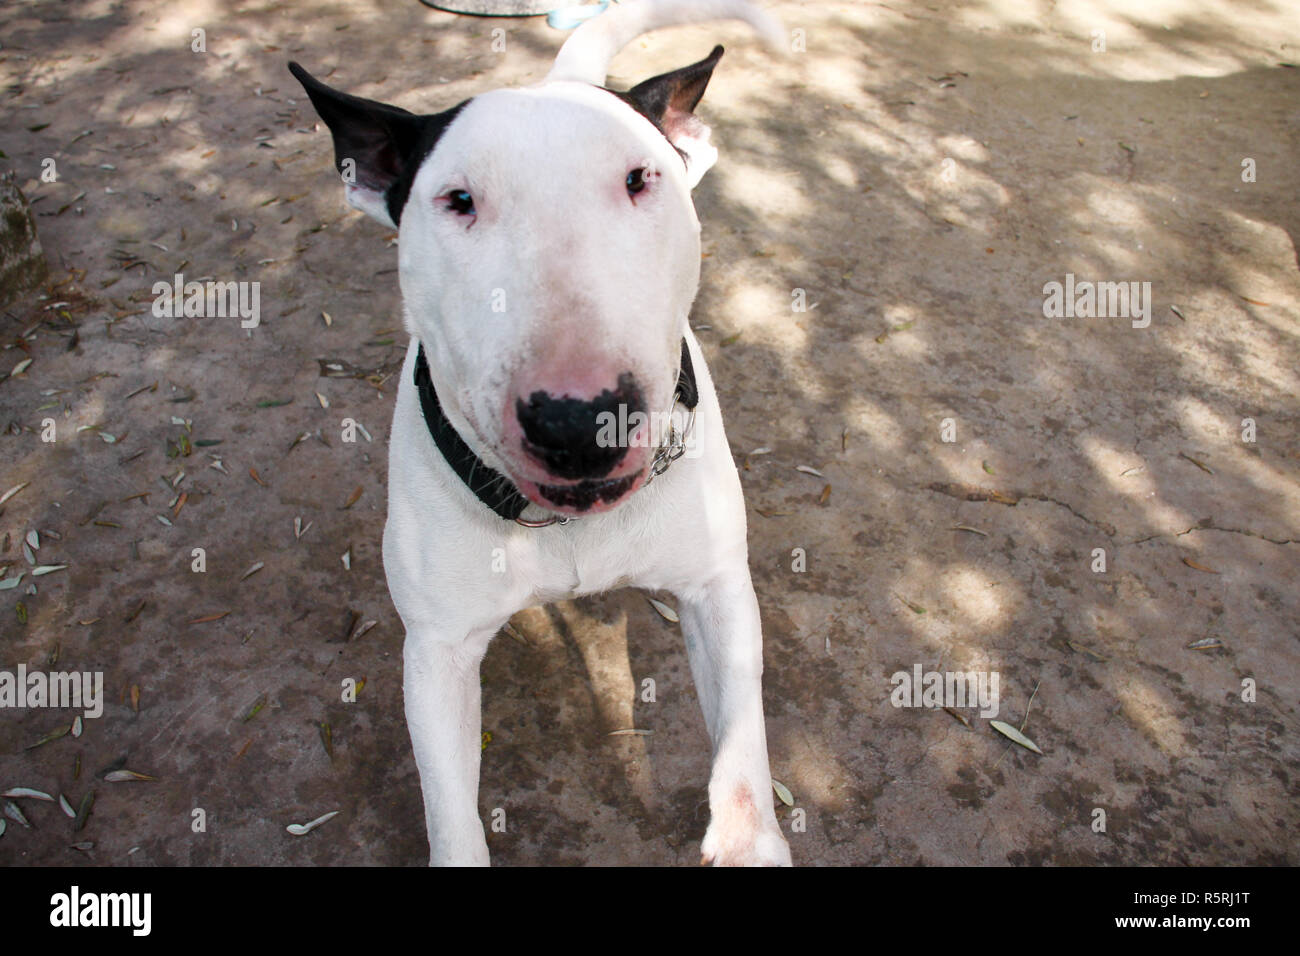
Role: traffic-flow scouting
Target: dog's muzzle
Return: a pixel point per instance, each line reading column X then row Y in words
column 553, row 422
column 571, row 437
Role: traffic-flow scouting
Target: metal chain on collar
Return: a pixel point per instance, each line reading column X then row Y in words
column 665, row 455
column 673, row 449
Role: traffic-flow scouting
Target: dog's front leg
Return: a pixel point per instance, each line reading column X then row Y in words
column 725, row 644
column 443, row 712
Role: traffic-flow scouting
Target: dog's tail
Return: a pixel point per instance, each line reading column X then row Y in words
column 585, row 56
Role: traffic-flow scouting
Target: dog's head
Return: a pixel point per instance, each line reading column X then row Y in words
column 548, row 256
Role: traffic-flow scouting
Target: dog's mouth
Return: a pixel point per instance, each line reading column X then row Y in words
column 589, row 496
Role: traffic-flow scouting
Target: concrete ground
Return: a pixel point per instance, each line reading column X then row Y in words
column 921, row 171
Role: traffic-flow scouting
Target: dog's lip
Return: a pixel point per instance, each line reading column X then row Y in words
column 522, row 472
column 586, row 497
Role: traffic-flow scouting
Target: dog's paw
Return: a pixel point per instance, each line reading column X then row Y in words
column 738, row 836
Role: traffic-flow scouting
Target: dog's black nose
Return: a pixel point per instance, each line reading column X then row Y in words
column 581, row 439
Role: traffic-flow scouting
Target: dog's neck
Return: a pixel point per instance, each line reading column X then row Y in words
column 490, row 486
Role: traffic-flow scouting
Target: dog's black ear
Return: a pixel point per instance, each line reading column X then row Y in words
column 377, row 147
column 669, row 101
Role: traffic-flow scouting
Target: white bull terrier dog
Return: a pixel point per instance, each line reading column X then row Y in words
column 549, row 253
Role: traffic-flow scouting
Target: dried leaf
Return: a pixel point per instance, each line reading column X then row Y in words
column 75, row 729
column 353, row 498
column 13, row 491
column 965, row 527
column 33, row 539
column 324, row 402
column 253, row 570
column 630, row 733
column 67, row 807
column 1187, row 561
column 83, row 811
column 808, row 470
column 252, row 473
column 28, row 793
column 255, row 709
column 956, row 715
column 126, row 776
column 52, row 735
column 1014, row 735
column 135, row 698
column 1205, row 644
column 208, row 618
column 771, row 513
column 15, row 813
column 326, row 738
column 1086, row 652
column 914, row 608
column 783, row 792
column 347, row 559
column 302, row 829
column 1204, row 468
column 825, row 495
column 667, row 613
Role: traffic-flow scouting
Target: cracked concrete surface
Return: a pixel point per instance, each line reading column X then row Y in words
column 921, row 172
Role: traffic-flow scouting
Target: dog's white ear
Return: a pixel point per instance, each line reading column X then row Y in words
column 377, row 147
column 669, row 102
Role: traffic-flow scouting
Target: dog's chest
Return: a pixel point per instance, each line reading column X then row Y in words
column 565, row 565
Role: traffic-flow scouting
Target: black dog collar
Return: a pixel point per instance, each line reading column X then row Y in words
column 490, row 486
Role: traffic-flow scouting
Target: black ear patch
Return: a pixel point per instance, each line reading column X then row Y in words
column 669, row 100
column 387, row 144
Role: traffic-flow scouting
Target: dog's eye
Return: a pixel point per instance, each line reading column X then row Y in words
column 635, row 181
column 460, row 202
